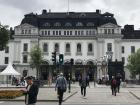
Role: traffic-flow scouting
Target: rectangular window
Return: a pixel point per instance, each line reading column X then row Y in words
column 67, row 32
column 105, row 31
column 123, row 49
column 45, row 47
column 86, row 32
column 48, row 32
column 79, row 33
column 56, row 32
column 64, row 32
column 109, row 31
column 82, row 32
column 25, row 47
column 6, row 49
column 75, row 32
column 22, row 31
column 59, row 32
column 29, row 31
column 70, row 32
column 45, row 32
column 25, row 31
column 112, row 31
column 109, row 46
column 6, row 60
column 25, row 59
column 132, row 49
column 42, row 32
column 53, row 32
column 123, row 59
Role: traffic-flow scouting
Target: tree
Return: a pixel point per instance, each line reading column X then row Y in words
column 134, row 63
column 36, row 58
column 4, row 36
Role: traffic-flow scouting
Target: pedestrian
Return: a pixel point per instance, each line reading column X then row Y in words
column 113, row 85
column 118, row 79
column 87, row 80
column 83, row 85
column 30, row 92
column 61, row 87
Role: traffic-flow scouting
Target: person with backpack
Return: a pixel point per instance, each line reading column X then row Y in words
column 61, row 87
column 113, row 85
column 83, row 85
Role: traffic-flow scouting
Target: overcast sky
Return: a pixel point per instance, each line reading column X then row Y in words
column 125, row 11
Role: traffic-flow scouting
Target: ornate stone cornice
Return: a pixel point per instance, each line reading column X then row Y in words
column 109, row 36
column 130, row 40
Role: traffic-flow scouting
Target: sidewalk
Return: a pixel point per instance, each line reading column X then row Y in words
column 97, row 94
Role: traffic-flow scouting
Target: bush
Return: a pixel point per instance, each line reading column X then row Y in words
column 10, row 94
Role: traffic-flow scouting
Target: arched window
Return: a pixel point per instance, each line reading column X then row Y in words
column 57, row 47
column 68, row 24
column 78, row 47
column 57, row 24
column 45, row 47
column 90, row 47
column 67, row 47
column 79, row 24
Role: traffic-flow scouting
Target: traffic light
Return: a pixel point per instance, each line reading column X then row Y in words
column 71, row 61
column 61, row 59
column 54, row 57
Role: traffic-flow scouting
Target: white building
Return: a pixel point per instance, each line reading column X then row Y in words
column 87, row 37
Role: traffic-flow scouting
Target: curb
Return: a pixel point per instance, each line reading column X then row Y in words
column 134, row 95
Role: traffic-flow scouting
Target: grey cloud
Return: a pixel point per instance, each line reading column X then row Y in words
column 23, row 5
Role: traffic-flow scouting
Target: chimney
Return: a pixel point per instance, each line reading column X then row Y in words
column 44, row 11
column 98, row 11
column 49, row 10
column 129, row 28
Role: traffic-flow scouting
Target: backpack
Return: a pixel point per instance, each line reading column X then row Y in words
column 114, row 82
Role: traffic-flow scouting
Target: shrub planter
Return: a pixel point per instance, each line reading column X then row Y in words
column 10, row 94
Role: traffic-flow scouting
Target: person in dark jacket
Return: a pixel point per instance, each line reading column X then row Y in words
column 30, row 92
column 118, row 79
column 61, row 87
column 113, row 85
column 83, row 85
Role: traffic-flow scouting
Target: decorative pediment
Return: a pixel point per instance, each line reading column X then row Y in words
column 110, row 25
column 25, row 25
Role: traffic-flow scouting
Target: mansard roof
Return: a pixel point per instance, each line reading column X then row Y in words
column 49, row 19
column 129, row 32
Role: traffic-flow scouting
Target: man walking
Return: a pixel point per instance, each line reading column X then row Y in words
column 30, row 92
column 83, row 85
column 61, row 87
column 118, row 79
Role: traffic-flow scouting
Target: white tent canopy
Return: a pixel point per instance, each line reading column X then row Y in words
column 9, row 70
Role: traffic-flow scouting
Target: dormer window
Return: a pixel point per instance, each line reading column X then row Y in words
column 79, row 24
column 82, row 14
column 57, row 24
column 68, row 24
column 90, row 24
column 47, row 24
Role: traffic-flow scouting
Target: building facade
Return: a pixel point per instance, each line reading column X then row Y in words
column 87, row 37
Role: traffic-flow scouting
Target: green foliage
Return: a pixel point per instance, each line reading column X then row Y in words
column 36, row 58
column 4, row 36
column 134, row 63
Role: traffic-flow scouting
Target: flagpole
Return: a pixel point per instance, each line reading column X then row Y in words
column 68, row 7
